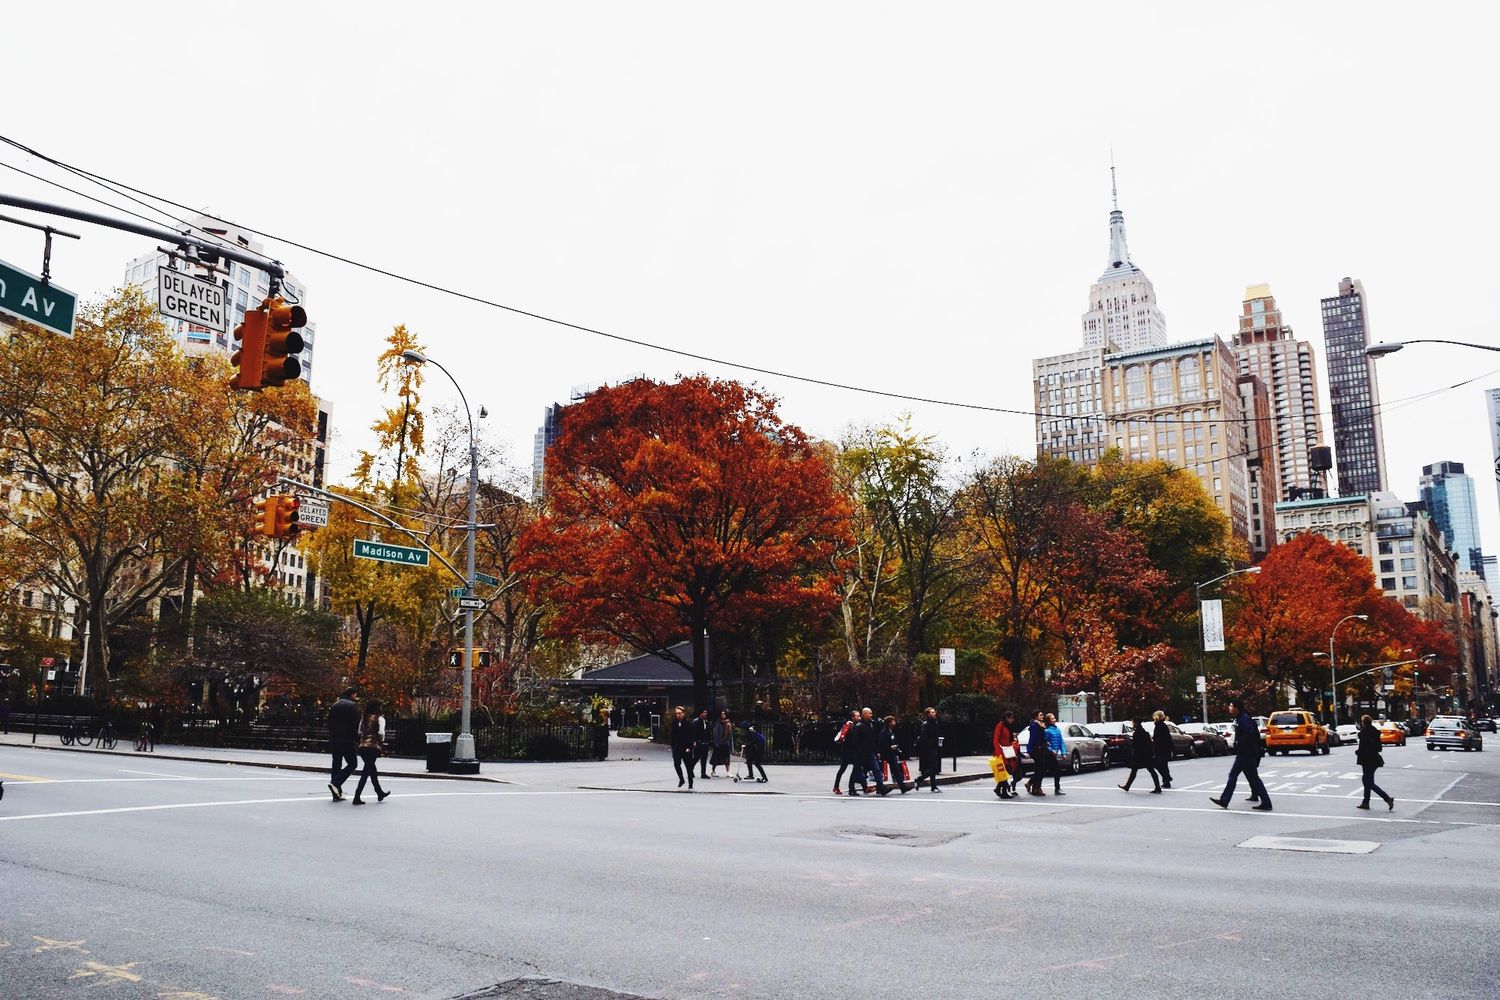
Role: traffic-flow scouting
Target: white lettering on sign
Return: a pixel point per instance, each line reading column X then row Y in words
column 46, row 306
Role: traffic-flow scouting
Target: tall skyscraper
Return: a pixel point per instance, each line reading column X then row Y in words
column 245, row 288
column 1492, row 402
column 1448, row 493
column 1259, row 428
column 1266, row 349
column 1122, row 303
column 1353, row 392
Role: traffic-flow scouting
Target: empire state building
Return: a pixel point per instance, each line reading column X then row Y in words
column 1122, row 303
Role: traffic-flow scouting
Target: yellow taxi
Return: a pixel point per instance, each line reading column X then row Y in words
column 1295, row 730
column 1391, row 733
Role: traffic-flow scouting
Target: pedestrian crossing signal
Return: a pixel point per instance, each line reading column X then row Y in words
column 482, row 658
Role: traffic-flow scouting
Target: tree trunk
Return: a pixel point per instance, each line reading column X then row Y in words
column 700, row 670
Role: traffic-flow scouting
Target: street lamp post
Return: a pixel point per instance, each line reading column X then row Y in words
column 1333, row 684
column 1381, row 350
column 464, row 759
column 1198, row 595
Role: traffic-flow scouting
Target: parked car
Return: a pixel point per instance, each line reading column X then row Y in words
column 1453, row 734
column 1116, row 737
column 1391, row 733
column 1084, row 748
column 1347, row 733
column 1226, row 730
column 1295, row 730
column 1260, row 723
column 1207, row 740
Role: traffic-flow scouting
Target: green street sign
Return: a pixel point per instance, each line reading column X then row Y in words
column 25, row 296
column 459, row 592
column 406, row 555
column 482, row 578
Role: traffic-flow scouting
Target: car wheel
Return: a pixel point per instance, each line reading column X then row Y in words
column 1074, row 763
column 1327, row 749
column 1431, row 747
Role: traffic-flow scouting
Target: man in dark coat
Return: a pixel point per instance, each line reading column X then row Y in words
column 703, row 740
column 930, row 750
column 1042, row 761
column 1161, row 742
column 888, row 749
column 684, row 746
column 343, row 741
column 865, row 736
column 1248, row 749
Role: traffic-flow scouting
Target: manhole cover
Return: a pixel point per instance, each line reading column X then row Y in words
column 534, row 988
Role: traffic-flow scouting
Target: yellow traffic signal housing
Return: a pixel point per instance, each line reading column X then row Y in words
column 481, row 658
column 283, row 343
column 267, row 511
column 289, row 521
column 249, row 356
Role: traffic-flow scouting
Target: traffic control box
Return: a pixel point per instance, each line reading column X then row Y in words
column 439, row 752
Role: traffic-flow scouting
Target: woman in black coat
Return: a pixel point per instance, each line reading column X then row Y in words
column 1142, row 757
column 929, row 750
column 1368, row 757
column 1161, row 741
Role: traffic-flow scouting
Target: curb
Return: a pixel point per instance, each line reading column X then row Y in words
column 272, row 765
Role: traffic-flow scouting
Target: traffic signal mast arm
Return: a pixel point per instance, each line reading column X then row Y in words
column 207, row 251
column 1378, row 666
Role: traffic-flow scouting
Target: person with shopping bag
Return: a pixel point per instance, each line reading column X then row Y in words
column 1000, row 763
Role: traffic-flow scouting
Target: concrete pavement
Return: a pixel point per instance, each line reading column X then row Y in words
column 194, row 879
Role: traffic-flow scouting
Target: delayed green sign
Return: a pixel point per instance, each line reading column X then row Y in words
column 25, row 296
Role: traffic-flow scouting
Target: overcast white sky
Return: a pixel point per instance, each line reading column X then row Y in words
column 910, row 197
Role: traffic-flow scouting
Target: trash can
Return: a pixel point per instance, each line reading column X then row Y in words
column 439, row 750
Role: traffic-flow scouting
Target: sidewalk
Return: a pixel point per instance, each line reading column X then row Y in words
column 633, row 765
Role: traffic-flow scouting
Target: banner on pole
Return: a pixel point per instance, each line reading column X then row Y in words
column 1213, row 626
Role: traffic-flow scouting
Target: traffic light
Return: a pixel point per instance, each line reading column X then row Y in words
column 267, row 514
column 283, row 343
column 481, row 658
column 288, row 521
column 249, row 356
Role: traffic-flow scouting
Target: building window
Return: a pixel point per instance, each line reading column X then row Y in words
column 1408, row 583
column 1388, row 583
column 1387, row 565
column 1161, row 383
column 1409, row 565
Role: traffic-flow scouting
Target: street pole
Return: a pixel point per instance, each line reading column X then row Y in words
column 83, row 664
column 1333, row 684
column 464, row 759
column 1202, row 639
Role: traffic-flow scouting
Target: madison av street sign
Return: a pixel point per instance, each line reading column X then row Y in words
column 25, row 296
column 192, row 300
column 406, row 555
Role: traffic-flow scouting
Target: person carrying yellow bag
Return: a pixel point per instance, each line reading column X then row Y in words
column 1003, row 742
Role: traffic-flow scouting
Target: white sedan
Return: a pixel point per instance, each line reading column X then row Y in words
column 1084, row 749
column 1347, row 733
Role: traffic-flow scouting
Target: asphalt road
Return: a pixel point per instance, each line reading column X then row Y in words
column 135, row 877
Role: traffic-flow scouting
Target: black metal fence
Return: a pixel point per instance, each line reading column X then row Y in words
column 507, row 738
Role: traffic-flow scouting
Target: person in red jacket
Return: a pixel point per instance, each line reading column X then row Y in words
column 1006, row 740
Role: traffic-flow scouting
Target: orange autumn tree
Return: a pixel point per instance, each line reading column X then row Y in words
column 1306, row 586
column 680, row 508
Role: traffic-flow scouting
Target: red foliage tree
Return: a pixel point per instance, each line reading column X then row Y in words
column 1305, row 588
column 1136, row 682
column 679, row 508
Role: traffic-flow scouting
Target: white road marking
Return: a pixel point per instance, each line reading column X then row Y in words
column 1311, row 844
column 250, row 802
column 1320, row 795
column 155, row 774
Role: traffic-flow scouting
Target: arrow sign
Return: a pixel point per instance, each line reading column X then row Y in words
column 472, row 604
column 406, row 555
column 25, row 296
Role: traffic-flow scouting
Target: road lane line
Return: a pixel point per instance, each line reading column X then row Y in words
column 1323, row 795
column 154, row 774
column 24, row 777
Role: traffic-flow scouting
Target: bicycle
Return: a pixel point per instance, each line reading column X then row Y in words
column 145, row 740
column 75, row 732
column 106, row 736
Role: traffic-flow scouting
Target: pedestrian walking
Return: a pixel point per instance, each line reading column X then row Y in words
column 343, row 741
column 1013, row 762
column 868, row 737
column 1161, row 741
column 1004, row 741
column 1248, row 750
column 371, row 732
column 930, row 750
column 703, row 741
column 845, row 741
column 1059, row 751
column 723, row 745
column 889, row 748
column 684, row 747
column 1142, row 757
column 5, row 715
column 1369, row 758
column 1036, row 745
column 754, row 748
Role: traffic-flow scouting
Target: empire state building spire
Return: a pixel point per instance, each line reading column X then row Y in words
column 1122, row 303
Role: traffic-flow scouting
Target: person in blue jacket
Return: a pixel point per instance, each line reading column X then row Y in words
column 1248, row 750
column 1059, row 752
